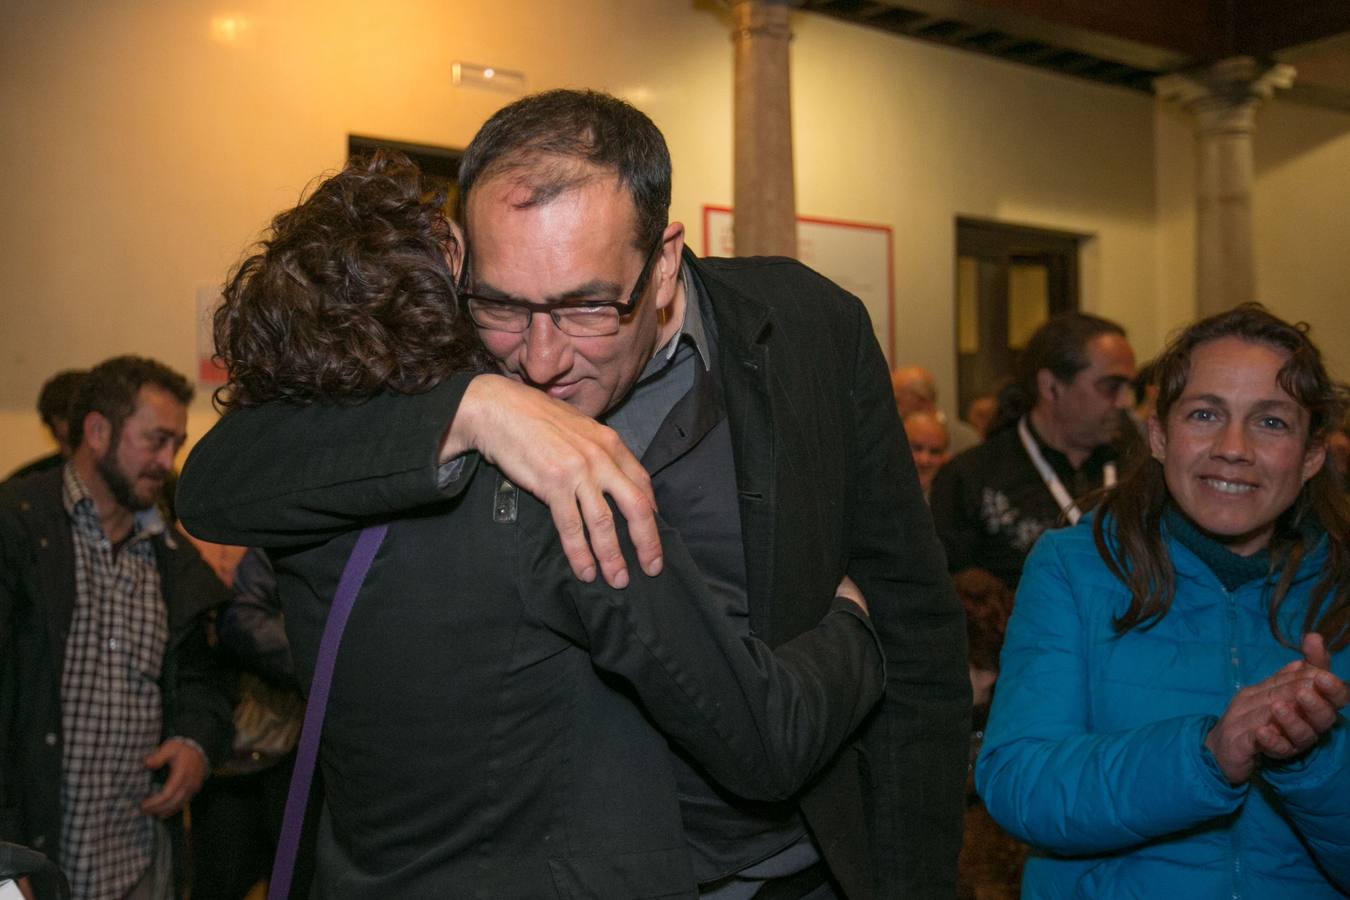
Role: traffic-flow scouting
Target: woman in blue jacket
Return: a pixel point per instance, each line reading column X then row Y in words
column 1167, row 716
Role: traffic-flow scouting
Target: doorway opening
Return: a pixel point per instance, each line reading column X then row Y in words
column 1009, row 280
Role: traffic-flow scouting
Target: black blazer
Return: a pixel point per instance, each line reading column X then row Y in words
column 37, row 601
column 482, row 737
column 826, row 487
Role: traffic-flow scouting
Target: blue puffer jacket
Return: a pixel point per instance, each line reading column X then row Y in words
column 1094, row 750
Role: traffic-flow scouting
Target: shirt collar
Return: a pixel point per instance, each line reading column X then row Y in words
column 693, row 329
column 79, row 504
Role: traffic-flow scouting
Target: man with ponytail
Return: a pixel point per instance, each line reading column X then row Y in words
column 1053, row 442
column 1168, row 713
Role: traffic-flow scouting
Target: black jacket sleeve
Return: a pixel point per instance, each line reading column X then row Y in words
column 251, row 626
column 10, row 534
column 918, row 744
column 281, row 475
column 198, row 684
column 762, row 721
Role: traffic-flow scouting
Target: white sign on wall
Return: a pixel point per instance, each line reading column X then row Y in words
column 209, row 372
column 854, row 255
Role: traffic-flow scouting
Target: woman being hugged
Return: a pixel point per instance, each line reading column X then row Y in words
column 1167, row 721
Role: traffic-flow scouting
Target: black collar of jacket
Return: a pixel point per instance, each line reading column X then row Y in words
column 740, row 323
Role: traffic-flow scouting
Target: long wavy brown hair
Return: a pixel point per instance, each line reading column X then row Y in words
column 350, row 294
column 1132, row 511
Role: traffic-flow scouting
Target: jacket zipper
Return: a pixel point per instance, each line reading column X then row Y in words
column 1235, row 673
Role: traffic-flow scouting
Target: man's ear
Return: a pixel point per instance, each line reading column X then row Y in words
column 454, row 249
column 667, row 271
column 1157, row 437
column 97, row 433
column 1047, row 387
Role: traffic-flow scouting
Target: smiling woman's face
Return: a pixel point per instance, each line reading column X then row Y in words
column 1235, row 449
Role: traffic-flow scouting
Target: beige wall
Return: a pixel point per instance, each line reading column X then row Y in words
column 1300, row 200
column 145, row 152
column 913, row 135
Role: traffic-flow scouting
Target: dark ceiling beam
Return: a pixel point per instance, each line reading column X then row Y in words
column 1128, row 42
column 1267, row 27
column 1156, row 34
column 1028, row 20
column 1187, row 27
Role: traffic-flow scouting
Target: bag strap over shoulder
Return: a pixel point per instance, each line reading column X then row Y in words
column 349, row 585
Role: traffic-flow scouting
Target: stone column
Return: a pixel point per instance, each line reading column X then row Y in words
column 1223, row 98
column 764, row 196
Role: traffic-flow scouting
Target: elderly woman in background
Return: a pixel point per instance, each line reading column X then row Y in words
column 1167, row 716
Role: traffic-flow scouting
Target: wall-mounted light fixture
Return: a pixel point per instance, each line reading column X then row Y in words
column 472, row 75
column 229, row 29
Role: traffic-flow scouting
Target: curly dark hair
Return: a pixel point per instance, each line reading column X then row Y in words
column 350, row 295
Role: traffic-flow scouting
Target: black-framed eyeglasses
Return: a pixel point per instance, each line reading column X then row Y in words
column 572, row 318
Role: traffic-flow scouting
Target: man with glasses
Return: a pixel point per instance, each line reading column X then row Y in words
column 757, row 400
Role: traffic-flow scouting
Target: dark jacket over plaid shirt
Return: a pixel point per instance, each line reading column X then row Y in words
column 37, row 598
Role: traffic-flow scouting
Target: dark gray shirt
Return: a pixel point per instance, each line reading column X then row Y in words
column 737, row 849
column 667, row 377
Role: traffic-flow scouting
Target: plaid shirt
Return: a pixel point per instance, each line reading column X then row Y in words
column 110, row 700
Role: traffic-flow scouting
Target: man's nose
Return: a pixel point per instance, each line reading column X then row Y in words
column 165, row 456
column 547, row 353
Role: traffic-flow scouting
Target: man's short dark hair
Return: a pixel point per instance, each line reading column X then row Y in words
column 1059, row 345
column 111, row 386
column 57, row 395
column 543, row 137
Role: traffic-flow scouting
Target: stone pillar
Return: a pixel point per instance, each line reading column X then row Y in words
column 1223, row 98
column 764, row 196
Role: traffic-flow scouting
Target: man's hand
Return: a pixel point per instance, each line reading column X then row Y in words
column 570, row 462
column 1280, row 717
column 187, row 773
column 849, row 591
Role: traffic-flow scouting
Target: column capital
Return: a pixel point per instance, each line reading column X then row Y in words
column 1224, row 95
column 761, row 18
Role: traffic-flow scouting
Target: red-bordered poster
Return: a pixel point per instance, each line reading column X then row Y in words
column 857, row 256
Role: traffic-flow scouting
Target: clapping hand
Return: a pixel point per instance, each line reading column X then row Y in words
column 1280, row 717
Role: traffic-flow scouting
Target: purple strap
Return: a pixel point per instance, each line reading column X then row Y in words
column 293, row 822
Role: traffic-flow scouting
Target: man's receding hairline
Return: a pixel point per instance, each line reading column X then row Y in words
column 531, row 171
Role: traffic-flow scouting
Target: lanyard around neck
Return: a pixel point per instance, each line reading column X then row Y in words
column 1052, row 482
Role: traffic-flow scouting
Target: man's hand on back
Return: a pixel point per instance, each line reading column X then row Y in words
column 570, row 462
